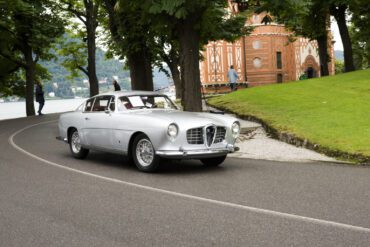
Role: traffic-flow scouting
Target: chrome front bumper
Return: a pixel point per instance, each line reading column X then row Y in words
column 194, row 154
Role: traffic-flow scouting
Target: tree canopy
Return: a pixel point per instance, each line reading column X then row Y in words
column 149, row 33
column 31, row 28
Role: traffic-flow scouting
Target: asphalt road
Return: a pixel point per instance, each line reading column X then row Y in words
column 48, row 198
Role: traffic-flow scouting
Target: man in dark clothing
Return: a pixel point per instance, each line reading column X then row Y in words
column 116, row 86
column 39, row 96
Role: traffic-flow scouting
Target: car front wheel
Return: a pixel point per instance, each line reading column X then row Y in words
column 75, row 146
column 143, row 154
column 216, row 161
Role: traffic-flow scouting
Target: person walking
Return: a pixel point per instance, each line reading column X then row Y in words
column 116, row 85
column 40, row 96
column 232, row 76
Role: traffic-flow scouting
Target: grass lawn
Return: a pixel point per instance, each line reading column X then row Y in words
column 333, row 111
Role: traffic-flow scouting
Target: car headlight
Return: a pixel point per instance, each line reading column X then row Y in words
column 235, row 129
column 172, row 130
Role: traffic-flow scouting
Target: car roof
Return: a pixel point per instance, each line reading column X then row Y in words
column 130, row 93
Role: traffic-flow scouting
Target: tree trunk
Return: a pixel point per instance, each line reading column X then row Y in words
column 30, row 81
column 140, row 71
column 323, row 54
column 113, row 21
column 91, row 25
column 339, row 13
column 173, row 62
column 177, row 81
column 91, row 66
column 189, row 53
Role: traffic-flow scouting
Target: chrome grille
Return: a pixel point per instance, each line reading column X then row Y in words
column 220, row 134
column 195, row 136
column 210, row 134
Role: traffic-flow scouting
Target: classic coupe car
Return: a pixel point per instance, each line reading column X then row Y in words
column 147, row 126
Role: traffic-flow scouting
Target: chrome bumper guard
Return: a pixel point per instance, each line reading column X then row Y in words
column 193, row 154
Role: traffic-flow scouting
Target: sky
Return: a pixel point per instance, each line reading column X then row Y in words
column 334, row 29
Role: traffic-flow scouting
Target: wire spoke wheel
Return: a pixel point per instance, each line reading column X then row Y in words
column 75, row 145
column 143, row 154
column 75, row 142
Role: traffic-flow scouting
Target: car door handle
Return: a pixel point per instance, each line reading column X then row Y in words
column 86, row 118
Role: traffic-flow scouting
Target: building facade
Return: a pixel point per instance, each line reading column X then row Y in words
column 268, row 55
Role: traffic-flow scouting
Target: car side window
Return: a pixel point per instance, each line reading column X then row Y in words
column 89, row 104
column 124, row 104
column 101, row 103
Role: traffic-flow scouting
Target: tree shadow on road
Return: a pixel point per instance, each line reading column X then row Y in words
column 172, row 167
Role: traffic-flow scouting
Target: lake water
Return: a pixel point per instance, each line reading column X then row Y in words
column 10, row 110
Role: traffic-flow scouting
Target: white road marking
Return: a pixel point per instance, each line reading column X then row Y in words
column 187, row 196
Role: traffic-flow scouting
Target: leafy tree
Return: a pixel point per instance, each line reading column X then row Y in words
column 339, row 67
column 130, row 38
column 193, row 23
column 360, row 32
column 169, row 54
column 338, row 9
column 172, row 32
column 28, row 29
column 87, row 11
column 74, row 53
column 361, row 49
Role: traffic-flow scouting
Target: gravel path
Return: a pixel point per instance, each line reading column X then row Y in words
column 257, row 145
column 254, row 143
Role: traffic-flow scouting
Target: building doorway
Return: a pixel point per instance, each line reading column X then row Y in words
column 310, row 67
column 310, row 72
column 279, row 78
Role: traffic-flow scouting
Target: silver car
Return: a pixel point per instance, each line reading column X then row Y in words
column 147, row 126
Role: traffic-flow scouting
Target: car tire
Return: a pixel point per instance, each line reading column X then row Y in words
column 75, row 146
column 213, row 162
column 143, row 154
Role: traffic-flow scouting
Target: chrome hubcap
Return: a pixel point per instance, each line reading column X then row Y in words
column 144, row 152
column 75, row 142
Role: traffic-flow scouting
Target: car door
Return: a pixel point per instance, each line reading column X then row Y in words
column 123, row 125
column 97, row 123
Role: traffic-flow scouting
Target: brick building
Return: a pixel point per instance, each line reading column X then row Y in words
column 267, row 55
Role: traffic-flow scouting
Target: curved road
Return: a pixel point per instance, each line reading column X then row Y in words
column 48, row 198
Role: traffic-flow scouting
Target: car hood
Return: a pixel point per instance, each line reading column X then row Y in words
column 189, row 119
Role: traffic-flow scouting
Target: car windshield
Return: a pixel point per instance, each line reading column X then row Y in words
column 145, row 101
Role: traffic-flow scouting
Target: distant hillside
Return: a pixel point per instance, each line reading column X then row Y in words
column 338, row 55
column 106, row 68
